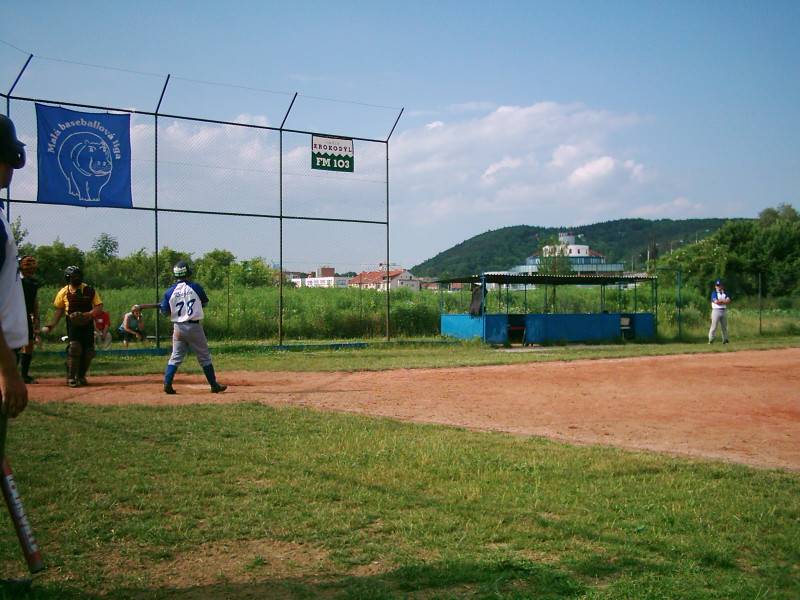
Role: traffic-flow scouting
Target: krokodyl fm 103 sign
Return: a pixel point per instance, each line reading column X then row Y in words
column 332, row 153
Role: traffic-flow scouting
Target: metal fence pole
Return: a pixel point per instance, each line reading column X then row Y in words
column 760, row 305
column 678, row 303
column 388, row 301
column 280, row 221
column 155, row 199
column 388, row 283
column 8, row 114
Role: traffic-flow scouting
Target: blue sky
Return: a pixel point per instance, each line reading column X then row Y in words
column 556, row 114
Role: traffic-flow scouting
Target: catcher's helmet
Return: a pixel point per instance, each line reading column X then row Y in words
column 181, row 270
column 72, row 271
column 28, row 263
column 12, row 151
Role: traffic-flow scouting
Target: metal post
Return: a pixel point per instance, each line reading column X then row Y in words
column 388, row 305
column 388, row 301
column 155, row 197
column 280, row 221
column 483, row 307
column 525, row 296
column 228, row 305
column 678, row 301
column 8, row 114
column 760, row 306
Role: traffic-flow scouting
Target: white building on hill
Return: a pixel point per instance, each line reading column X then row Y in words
column 582, row 258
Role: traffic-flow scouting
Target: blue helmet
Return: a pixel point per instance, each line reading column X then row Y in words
column 182, row 270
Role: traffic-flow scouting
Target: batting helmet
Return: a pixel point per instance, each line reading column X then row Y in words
column 12, row 151
column 72, row 271
column 28, row 263
column 181, row 270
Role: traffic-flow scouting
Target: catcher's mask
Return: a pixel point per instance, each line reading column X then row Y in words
column 28, row 264
column 73, row 274
column 12, row 151
column 181, row 270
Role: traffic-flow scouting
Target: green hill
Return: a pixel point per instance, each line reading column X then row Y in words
column 623, row 240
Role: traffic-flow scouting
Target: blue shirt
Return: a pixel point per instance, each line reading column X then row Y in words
column 719, row 296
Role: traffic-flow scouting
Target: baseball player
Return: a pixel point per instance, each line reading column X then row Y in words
column 13, row 323
column 184, row 303
column 30, row 288
column 82, row 304
column 719, row 312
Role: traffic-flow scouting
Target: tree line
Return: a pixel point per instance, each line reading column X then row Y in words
column 740, row 251
column 106, row 269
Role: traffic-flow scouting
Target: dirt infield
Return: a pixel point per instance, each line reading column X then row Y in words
column 736, row 406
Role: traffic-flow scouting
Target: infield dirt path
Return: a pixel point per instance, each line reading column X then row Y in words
column 736, row 406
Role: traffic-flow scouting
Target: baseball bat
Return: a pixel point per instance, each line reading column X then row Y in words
column 27, row 541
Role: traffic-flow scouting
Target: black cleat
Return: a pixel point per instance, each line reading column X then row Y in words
column 168, row 389
column 73, row 383
column 82, row 381
column 218, row 387
column 28, row 379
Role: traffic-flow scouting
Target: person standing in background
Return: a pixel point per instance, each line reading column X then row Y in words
column 30, row 288
column 719, row 312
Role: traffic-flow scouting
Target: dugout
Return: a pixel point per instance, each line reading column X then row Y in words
column 507, row 326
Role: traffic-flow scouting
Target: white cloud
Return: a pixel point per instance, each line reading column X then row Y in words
column 483, row 167
column 592, row 171
column 506, row 163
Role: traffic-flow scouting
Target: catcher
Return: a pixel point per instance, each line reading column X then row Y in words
column 82, row 304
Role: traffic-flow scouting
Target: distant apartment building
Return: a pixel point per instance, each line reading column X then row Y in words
column 323, row 277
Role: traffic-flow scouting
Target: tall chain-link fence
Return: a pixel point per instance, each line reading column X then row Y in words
column 222, row 174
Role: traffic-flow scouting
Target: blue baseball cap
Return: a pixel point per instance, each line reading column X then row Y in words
column 718, row 282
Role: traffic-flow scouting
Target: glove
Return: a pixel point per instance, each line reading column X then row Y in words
column 79, row 318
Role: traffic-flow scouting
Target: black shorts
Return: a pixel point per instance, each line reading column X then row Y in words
column 81, row 333
column 128, row 337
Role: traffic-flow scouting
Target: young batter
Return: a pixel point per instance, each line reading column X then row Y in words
column 184, row 302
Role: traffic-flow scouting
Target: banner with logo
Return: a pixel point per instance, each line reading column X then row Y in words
column 332, row 153
column 84, row 159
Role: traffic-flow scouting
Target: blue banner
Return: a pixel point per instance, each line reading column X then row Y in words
column 84, row 159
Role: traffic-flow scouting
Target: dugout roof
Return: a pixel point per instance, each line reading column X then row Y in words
column 549, row 279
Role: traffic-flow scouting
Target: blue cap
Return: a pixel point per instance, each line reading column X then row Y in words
column 718, row 282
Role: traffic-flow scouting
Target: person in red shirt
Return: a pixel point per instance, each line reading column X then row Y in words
column 102, row 323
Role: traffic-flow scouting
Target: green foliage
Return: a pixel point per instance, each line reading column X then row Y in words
column 53, row 259
column 741, row 250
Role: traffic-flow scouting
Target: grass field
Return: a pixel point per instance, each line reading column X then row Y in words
column 246, row 501
column 249, row 501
